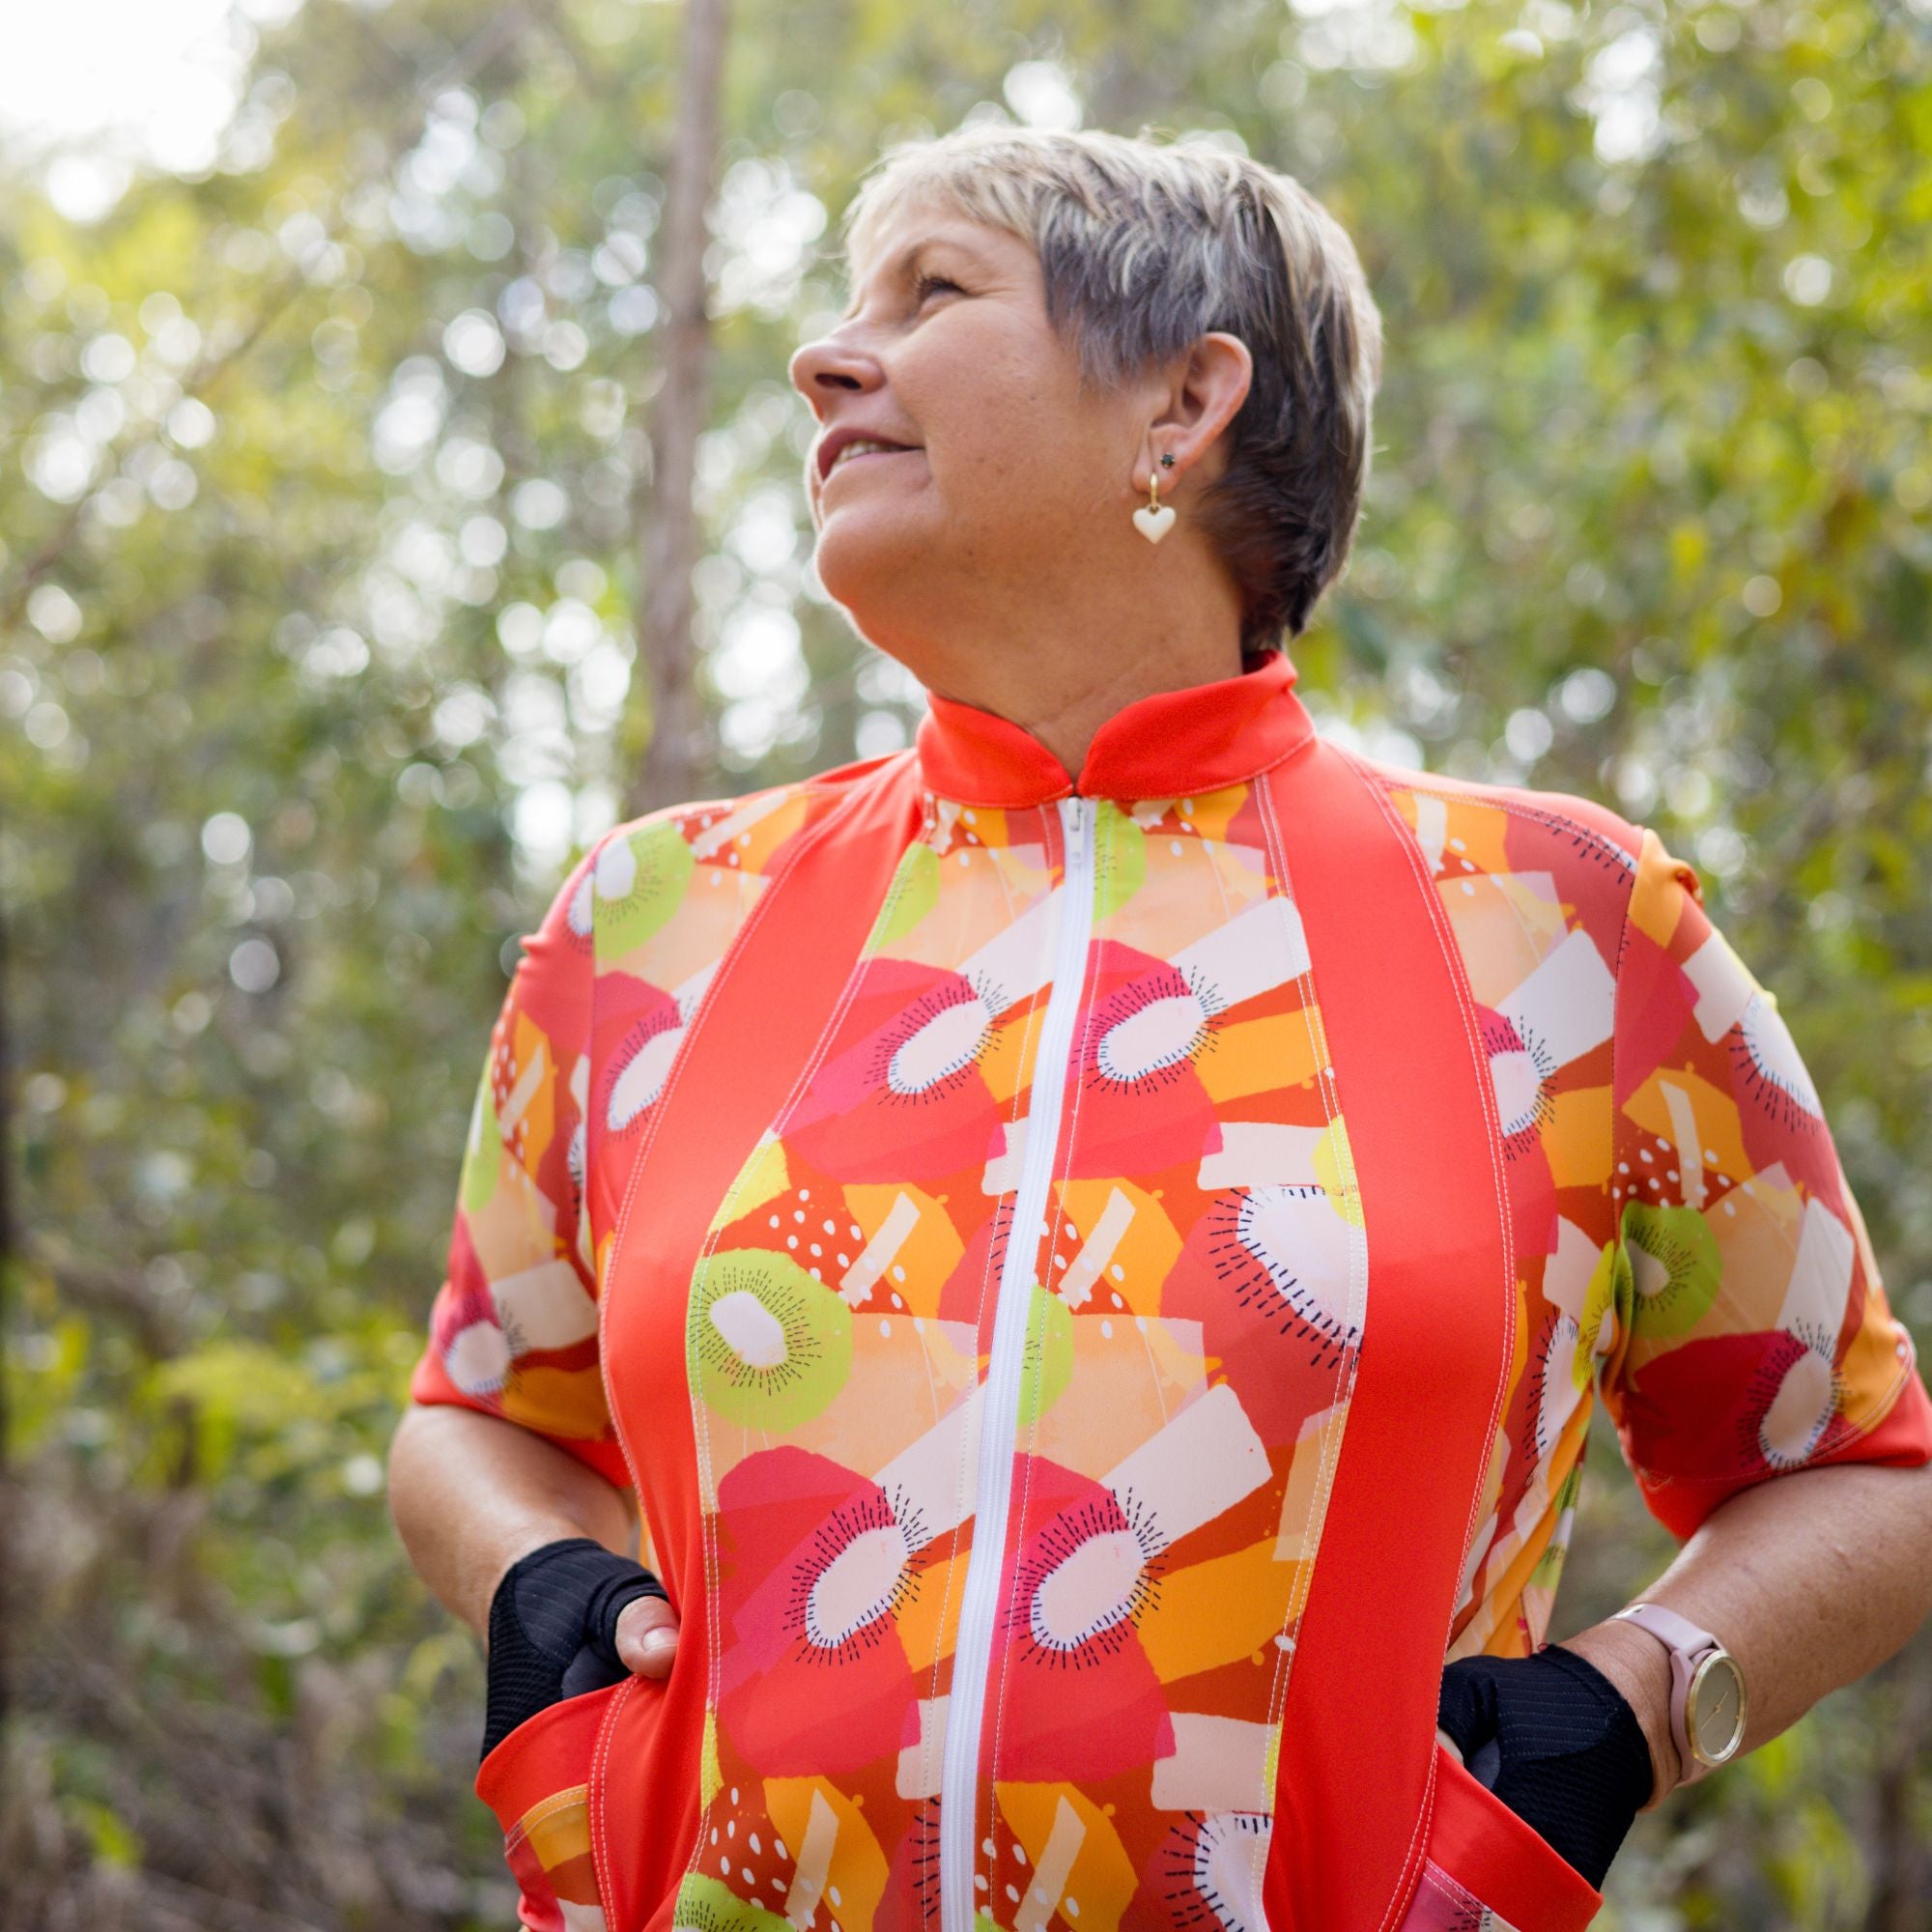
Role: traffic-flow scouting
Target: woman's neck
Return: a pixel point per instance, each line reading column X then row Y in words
column 1059, row 678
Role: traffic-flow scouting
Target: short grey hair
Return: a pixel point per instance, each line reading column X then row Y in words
column 1147, row 245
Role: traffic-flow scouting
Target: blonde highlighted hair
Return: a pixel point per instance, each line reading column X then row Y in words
column 1147, row 245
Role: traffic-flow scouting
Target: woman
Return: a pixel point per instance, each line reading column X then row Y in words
column 1093, row 1242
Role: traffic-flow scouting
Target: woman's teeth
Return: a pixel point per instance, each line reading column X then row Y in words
column 863, row 447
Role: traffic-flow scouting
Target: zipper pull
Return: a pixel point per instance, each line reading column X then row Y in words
column 1073, row 823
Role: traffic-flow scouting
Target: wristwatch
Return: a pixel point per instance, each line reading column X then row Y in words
column 1706, row 1691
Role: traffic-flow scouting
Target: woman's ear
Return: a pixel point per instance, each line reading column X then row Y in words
column 1209, row 385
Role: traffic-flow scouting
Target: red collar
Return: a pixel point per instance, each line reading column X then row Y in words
column 1171, row 745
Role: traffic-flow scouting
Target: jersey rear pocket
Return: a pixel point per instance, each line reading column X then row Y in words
column 1488, row 1870
column 537, row 1781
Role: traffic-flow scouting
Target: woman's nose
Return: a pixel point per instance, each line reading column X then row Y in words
column 821, row 368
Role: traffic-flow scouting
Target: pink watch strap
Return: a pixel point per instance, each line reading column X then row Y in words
column 1678, row 1632
column 1688, row 1644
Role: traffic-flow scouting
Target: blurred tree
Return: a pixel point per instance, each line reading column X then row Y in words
column 320, row 586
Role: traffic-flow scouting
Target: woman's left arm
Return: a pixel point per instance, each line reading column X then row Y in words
column 1808, row 1580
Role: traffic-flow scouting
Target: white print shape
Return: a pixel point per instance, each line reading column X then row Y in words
column 814, row 1861
column 748, row 1329
column 1688, row 1142
column 1774, row 1053
column 1257, row 950
column 878, row 1253
column 1432, row 827
column 478, row 1358
column 1201, row 1463
column 1055, row 1866
column 947, row 1044
column 1798, row 1411
column 1219, row 1763
column 1230, row 1856
column 616, row 871
column 1723, row 985
column 1097, row 1253
column 580, row 915
column 1016, row 962
column 546, row 1305
column 693, row 990
column 856, row 1587
column 1164, row 1032
column 1087, row 1591
column 1307, row 1249
column 1517, row 1085
column 1559, row 1396
column 1003, row 1171
column 1820, row 1277
column 1261, row 1154
column 512, row 1109
column 1314, row 1447
column 918, row 1763
column 1568, row 1004
column 642, row 1078
column 924, row 1483
column 1567, row 1274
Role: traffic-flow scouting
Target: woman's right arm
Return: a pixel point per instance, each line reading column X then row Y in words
column 472, row 1494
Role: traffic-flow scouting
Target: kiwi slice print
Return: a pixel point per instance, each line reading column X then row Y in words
column 1120, row 859
column 1210, row 1867
column 483, row 1153
column 773, row 1345
column 914, row 892
column 1046, row 1366
column 1087, row 1581
column 640, row 882
column 704, row 1905
column 1769, row 1069
column 1794, row 1405
column 1675, row 1267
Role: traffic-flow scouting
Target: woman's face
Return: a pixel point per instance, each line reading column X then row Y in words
column 1002, row 469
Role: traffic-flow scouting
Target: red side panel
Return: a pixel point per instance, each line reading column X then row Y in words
column 777, row 988
column 1358, row 1742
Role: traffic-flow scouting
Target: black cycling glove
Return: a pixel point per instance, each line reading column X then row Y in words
column 553, row 1628
column 1557, row 1741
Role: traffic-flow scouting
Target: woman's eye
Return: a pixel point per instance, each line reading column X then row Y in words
column 927, row 284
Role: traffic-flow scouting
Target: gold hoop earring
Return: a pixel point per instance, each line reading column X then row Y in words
column 1153, row 519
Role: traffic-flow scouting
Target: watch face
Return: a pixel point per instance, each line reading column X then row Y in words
column 1717, row 1708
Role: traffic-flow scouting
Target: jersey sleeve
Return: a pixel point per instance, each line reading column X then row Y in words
column 1752, row 1334
column 513, row 1331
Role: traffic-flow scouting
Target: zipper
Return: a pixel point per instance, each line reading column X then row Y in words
column 999, row 1415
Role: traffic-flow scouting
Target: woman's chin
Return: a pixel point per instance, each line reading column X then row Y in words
column 863, row 547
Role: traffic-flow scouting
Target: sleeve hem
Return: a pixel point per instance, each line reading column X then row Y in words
column 430, row 1387
column 1899, row 1438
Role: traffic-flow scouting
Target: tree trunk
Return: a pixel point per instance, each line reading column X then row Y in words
column 667, row 534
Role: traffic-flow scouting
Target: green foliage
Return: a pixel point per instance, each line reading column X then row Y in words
column 317, row 482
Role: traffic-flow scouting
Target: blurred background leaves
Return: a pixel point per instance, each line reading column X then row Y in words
column 325, row 481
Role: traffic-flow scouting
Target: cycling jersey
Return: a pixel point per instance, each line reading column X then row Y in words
column 1100, row 1288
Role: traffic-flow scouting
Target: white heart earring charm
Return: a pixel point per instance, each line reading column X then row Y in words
column 1153, row 519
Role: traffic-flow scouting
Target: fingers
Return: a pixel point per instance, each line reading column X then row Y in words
column 1449, row 1743
column 648, row 1637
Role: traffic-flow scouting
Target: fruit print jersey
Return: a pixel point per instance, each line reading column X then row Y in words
column 1098, row 1288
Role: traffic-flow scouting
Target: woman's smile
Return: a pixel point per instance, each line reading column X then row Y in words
column 862, row 452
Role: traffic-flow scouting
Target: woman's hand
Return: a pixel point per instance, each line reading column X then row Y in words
column 476, row 1499
column 568, row 1617
column 1557, row 1740
column 648, row 1637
